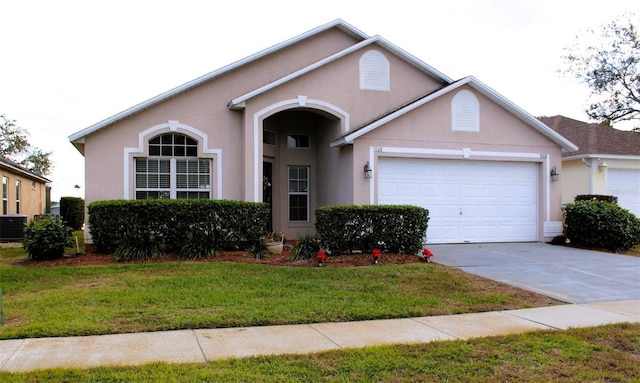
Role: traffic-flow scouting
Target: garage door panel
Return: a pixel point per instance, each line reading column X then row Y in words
column 625, row 184
column 468, row 201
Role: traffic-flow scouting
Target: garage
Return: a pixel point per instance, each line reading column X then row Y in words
column 468, row 200
column 625, row 184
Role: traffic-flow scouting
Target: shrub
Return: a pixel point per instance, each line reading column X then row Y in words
column 46, row 237
column 306, row 247
column 599, row 224
column 142, row 246
column 393, row 228
column 596, row 197
column 176, row 225
column 199, row 243
column 72, row 211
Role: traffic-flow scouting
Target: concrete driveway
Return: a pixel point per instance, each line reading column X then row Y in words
column 568, row 274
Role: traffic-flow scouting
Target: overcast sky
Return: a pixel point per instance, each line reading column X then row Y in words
column 69, row 64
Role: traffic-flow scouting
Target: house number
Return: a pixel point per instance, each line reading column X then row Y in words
column 377, row 149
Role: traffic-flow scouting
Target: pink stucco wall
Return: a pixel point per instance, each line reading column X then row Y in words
column 329, row 103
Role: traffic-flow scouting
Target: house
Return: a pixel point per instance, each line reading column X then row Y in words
column 23, row 192
column 334, row 116
column 607, row 162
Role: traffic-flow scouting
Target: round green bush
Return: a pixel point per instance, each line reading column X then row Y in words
column 46, row 237
column 599, row 224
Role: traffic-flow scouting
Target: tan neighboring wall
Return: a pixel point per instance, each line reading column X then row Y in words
column 32, row 197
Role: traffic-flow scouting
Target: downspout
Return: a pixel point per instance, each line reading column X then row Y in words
column 584, row 161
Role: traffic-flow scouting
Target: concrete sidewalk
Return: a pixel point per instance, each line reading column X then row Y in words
column 200, row 346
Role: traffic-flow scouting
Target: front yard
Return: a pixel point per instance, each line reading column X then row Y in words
column 119, row 297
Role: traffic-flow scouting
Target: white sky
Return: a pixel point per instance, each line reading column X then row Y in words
column 68, row 64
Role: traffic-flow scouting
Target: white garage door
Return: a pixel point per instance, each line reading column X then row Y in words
column 625, row 184
column 468, row 201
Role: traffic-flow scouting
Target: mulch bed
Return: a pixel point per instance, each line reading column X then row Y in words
column 282, row 259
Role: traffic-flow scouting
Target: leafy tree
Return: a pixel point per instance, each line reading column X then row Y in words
column 606, row 60
column 14, row 146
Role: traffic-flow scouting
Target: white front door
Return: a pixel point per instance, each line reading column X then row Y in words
column 468, row 201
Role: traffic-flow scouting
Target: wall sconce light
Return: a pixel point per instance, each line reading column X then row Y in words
column 554, row 174
column 603, row 166
column 367, row 170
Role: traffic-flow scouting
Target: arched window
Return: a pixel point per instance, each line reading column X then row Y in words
column 465, row 112
column 374, row 71
column 173, row 169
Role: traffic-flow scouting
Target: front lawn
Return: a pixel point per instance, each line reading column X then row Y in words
column 118, row 298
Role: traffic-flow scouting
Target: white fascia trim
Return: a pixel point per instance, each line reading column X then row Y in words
column 24, row 172
column 565, row 144
column 173, row 126
column 348, row 139
column 464, row 153
column 413, row 60
column 209, row 76
column 598, row 156
column 238, row 103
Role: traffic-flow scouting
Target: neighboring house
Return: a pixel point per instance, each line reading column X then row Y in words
column 23, row 192
column 607, row 162
column 296, row 124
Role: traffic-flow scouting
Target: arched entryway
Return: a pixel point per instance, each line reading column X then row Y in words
column 300, row 170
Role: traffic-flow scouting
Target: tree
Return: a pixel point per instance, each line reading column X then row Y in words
column 607, row 61
column 14, row 146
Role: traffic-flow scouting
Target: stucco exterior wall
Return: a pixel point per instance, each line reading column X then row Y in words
column 430, row 127
column 32, row 195
column 576, row 179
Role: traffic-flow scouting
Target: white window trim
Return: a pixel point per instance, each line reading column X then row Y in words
column 290, row 193
column 174, row 126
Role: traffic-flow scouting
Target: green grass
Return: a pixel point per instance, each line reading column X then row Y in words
column 119, row 298
column 599, row 354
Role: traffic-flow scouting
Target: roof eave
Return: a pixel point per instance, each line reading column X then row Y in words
column 338, row 23
column 565, row 145
column 239, row 102
column 25, row 172
column 602, row 156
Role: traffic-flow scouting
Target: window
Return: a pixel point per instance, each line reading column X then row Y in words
column 18, row 186
column 173, row 145
column 269, row 137
column 172, row 169
column 298, row 193
column 5, row 195
column 465, row 112
column 298, row 141
column 374, row 71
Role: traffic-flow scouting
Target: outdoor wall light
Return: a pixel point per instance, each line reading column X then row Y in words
column 367, row 170
column 603, row 166
column 554, row 174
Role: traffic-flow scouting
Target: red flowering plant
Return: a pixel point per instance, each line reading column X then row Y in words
column 376, row 255
column 426, row 254
column 293, row 242
column 322, row 256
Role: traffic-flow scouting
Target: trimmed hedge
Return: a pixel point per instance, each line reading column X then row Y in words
column 186, row 227
column 596, row 197
column 392, row 228
column 599, row 224
column 72, row 211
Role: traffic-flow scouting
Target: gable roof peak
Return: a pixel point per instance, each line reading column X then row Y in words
column 77, row 139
